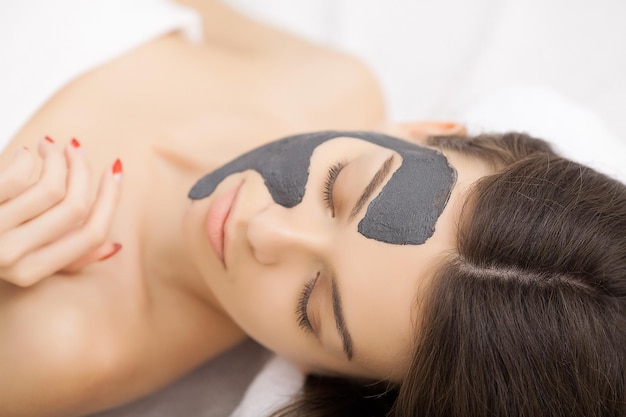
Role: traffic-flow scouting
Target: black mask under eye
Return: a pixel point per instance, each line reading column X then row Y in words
column 404, row 212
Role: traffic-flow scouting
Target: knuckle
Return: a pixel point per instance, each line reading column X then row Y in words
column 8, row 257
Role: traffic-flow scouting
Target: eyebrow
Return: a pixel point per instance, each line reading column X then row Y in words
column 376, row 181
column 340, row 323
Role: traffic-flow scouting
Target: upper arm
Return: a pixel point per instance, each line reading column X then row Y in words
column 54, row 362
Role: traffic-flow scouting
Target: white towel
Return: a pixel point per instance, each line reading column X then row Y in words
column 46, row 44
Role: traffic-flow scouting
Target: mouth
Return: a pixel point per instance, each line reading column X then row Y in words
column 216, row 222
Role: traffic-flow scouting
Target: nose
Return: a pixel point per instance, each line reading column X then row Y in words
column 277, row 233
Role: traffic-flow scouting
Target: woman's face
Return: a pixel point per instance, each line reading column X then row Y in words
column 307, row 281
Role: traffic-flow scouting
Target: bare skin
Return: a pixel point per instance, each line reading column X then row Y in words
column 171, row 111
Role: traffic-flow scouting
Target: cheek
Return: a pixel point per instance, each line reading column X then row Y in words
column 194, row 235
column 263, row 305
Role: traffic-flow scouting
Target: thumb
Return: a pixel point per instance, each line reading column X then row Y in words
column 101, row 254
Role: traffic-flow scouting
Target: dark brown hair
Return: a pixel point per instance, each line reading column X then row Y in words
column 528, row 316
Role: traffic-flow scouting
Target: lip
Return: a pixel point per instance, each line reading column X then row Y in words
column 217, row 219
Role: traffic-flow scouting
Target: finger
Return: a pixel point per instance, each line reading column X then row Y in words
column 16, row 177
column 48, row 191
column 60, row 219
column 76, row 244
column 102, row 253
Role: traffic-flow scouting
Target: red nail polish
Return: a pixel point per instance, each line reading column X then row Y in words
column 49, row 139
column 75, row 143
column 116, row 248
column 117, row 166
column 117, row 170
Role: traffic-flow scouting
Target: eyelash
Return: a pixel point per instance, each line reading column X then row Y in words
column 331, row 177
column 303, row 318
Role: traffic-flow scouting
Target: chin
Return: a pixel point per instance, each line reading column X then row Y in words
column 194, row 236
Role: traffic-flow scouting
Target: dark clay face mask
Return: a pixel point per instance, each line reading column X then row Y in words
column 403, row 213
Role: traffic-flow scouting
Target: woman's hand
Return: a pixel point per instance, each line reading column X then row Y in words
column 51, row 225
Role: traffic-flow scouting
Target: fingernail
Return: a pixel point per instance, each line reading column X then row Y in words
column 116, row 248
column 49, row 139
column 117, row 170
column 75, row 143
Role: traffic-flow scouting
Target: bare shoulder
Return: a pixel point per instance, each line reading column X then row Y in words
column 336, row 90
column 54, row 356
column 331, row 87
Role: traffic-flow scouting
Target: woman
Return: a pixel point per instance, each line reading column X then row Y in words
column 130, row 291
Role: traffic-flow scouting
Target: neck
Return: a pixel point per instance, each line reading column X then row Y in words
column 165, row 257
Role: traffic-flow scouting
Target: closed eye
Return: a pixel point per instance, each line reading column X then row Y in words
column 329, row 185
column 303, row 302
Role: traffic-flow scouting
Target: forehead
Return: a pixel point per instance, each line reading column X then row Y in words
column 384, row 287
column 387, row 286
column 379, row 296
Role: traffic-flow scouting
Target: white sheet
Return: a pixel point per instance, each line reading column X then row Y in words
column 273, row 387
